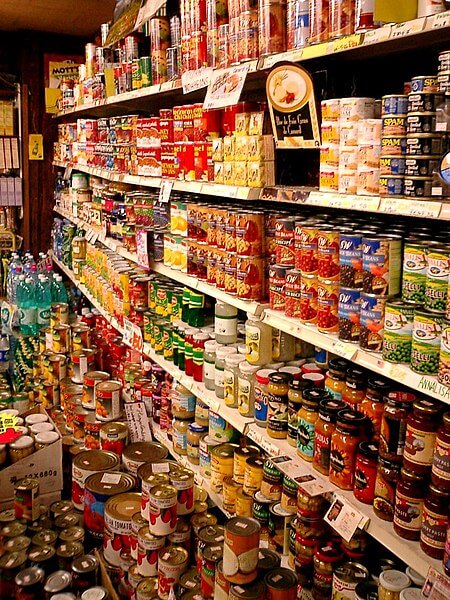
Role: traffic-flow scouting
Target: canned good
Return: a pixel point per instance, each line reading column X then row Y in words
column 240, row 553
column 117, row 532
column 349, row 314
column 293, row 293
column 113, row 437
column 417, row 187
column 172, row 562
column 398, row 327
column 308, row 299
column 436, row 286
column 350, row 260
column 90, row 380
column 61, row 339
column 426, row 341
column 394, row 104
column 424, row 101
column 162, row 509
column 381, row 265
column 149, row 546
column 250, row 278
column 85, row 464
column 139, row 453
column 327, row 306
column 444, row 356
column 328, row 254
column 392, row 165
column 414, row 277
column 394, row 125
column 26, row 499
column 281, row 584
column 277, row 285
column 421, row 166
column 423, row 144
column 345, row 579
column 392, row 186
column 424, row 83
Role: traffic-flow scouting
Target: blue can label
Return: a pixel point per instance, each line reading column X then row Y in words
column 350, row 259
column 261, row 405
column 395, row 105
column 349, row 303
column 392, row 165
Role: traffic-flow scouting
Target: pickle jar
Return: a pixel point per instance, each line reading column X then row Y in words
column 277, row 415
column 373, row 403
column 306, row 418
column 435, row 520
column 388, row 474
column 421, row 430
column 440, row 471
column 325, row 426
column 258, row 339
column 261, row 394
column 230, row 379
column 295, row 397
column 409, row 498
column 344, row 445
column 335, row 377
column 391, row 584
column 355, row 387
column 393, row 424
column 327, row 557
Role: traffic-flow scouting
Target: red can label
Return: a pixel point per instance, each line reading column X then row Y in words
column 308, row 260
column 277, row 285
column 328, row 254
column 284, row 235
column 327, row 306
column 308, row 299
column 249, row 233
column 293, row 293
column 250, row 278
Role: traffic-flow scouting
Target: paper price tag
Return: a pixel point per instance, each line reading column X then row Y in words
column 377, row 35
column 427, row 210
column 165, row 190
column 347, row 42
column 439, row 21
column 138, row 424
column 436, row 586
column 347, row 351
column 160, row 467
column 196, row 80
column 315, row 486
column 132, row 335
column 400, row 30
column 293, row 468
column 111, row 478
column 225, row 86
column 344, row 518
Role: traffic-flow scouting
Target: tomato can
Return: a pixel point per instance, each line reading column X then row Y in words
column 308, row 260
column 85, row 464
column 250, row 233
column 183, row 481
column 277, row 286
column 172, row 562
column 162, row 509
column 250, row 278
column 113, row 437
column 98, row 488
column 327, row 306
column 182, row 535
column 117, row 531
column 148, row 547
column 308, row 299
column 26, row 499
column 137, row 522
column 210, row 558
column 90, row 380
column 293, row 293
column 285, row 241
column 328, row 253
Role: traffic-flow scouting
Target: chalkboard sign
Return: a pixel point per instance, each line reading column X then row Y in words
column 292, row 106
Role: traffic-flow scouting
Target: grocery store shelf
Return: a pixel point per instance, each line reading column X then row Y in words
column 201, row 481
column 194, row 187
column 424, row 384
column 382, row 531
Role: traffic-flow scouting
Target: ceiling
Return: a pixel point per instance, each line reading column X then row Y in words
column 73, row 17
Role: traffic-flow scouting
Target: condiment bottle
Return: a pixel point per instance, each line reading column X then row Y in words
column 258, row 338
column 373, row 404
column 325, row 426
column 355, row 387
column 209, row 359
column 409, row 498
column 344, row 444
column 435, row 522
column 295, row 397
column 246, row 383
column 366, row 472
column 326, row 558
column 230, row 379
column 225, row 323
column 388, row 475
column 261, row 394
column 440, row 471
column 277, row 416
column 307, row 417
column 335, row 377
column 393, row 424
column 421, row 428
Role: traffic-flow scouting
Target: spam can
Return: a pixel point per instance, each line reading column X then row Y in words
column 392, row 165
column 392, row 185
column 417, row 187
column 394, row 124
column 394, row 104
column 423, row 144
column 392, row 145
column 424, row 83
column 420, row 122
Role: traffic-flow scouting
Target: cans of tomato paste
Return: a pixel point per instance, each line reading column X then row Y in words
column 241, row 548
column 148, row 548
column 183, row 481
column 98, row 488
column 163, row 509
column 117, row 532
column 85, row 464
column 172, row 563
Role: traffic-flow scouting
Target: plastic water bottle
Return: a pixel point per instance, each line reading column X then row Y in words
column 43, row 301
column 15, row 267
column 27, row 305
column 4, row 352
column 59, row 292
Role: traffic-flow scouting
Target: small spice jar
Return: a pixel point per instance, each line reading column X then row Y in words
column 435, row 519
column 421, row 430
column 326, row 558
column 194, row 433
column 366, row 472
column 393, row 424
column 335, row 377
column 409, row 498
column 373, row 403
column 295, row 398
column 388, row 475
column 440, row 471
column 355, row 387
column 277, row 416
column 261, row 394
column 391, row 583
column 21, row 448
column 344, row 444
column 306, row 418
column 325, row 426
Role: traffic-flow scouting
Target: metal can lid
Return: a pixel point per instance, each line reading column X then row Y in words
column 12, row 560
column 96, row 460
column 123, row 506
column 174, row 555
column 85, row 564
column 242, row 526
column 281, row 579
column 110, row 483
column 351, row 572
column 57, row 582
column 30, row 576
column 96, row 593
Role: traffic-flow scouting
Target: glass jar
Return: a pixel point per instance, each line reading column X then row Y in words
column 209, row 359
column 344, row 444
column 355, row 387
column 306, row 418
column 366, row 468
column 325, row 426
column 179, row 436
column 335, row 377
column 388, row 474
column 198, row 355
column 219, row 368
column 435, row 520
column 183, row 402
column 261, row 394
column 245, row 392
column 277, row 414
column 391, row 583
column 326, row 558
column 194, row 433
column 295, row 397
column 421, row 429
column 258, row 339
column 230, row 379
column 310, row 507
column 409, row 498
column 21, row 448
column 440, row 471
column 304, row 559
column 393, row 424
column 373, row 404
column 201, row 413
column 225, row 323
column 45, row 438
column 283, row 346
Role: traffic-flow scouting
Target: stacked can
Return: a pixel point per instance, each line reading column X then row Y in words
column 319, row 15
column 148, row 147
column 329, row 151
column 159, row 43
column 272, row 26
column 173, row 53
column 341, row 18
column 369, row 147
column 193, row 35
column 444, row 71
column 216, row 16
column 297, row 24
column 393, row 146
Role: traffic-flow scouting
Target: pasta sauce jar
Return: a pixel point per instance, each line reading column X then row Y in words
column 344, row 445
column 440, row 471
column 421, row 430
column 325, row 426
column 393, row 424
column 366, row 472
column 373, row 404
column 435, row 521
column 409, row 498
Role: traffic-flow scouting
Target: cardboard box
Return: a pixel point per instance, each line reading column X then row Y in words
column 45, row 465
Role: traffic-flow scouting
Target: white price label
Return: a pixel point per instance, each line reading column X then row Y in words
column 378, row 35
column 439, row 21
column 196, row 80
column 345, row 350
column 225, row 87
column 132, row 335
column 165, row 191
column 315, row 487
column 111, row 478
column 436, row 586
column 400, row 30
column 293, row 468
column 138, row 424
column 344, row 518
column 160, row 467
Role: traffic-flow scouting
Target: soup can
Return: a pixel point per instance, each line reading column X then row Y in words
column 172, row 562
column 117, row 532
column 87, row 463
column 26, row 499
column 183, row 481
column 148, row 548
column 139, row 453
column 241, row 549
column 108, row 400
column 162, row 509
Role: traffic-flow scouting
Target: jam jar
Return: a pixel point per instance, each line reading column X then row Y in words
column 409, row 498
column 373, row 404
column 295, row 397
column 366, row 472
column 440, row 471
column 344, row 444
column 325, row 426
column 355, row 387
column 335, row 377
column 326, row 558
column 393, row 423
column 388, row 475
column 421, row 429
column 307, row 417
column 277, row 416
column 435, row 522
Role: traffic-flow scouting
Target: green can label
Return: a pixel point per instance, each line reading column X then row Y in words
column 426, row 342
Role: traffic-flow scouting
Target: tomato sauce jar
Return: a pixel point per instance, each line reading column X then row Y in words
column 393, row 424
column 386, row 483
column 440, row 471
column 366, row 472
column 344, row 446
column 409, row 499
column 421, row 430
column 325, row 426
column 373, row 403
column 435, row 520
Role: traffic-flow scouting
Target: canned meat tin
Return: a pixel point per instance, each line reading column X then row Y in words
column 417, row 187
column 345, row 579
column 421, row 166
column 421, row 122
column 424, row 102
column 424, row 83
column 118, row 512
column 241, row 548
column 392, row 145
column 392, row 165
column 394, row 104
column 392, row 185
column 87, row 463
column 423, row 144
column 394, row 124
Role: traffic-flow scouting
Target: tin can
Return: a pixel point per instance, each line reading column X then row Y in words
column 272, row 28
column 349, row 308
column 253, row 475
column 381, row 261
column 421, row 166
column 81, row 337
column 424, row 101
column 398, row 328
column 417, row 187
column 328, row 254
column 118, row 513
column 148, row 547
column 306, row 247
column 424, row 83
column 350, row 260
column 342, row 18
column 249, row 233
column 436, row 287
column 57, row 368
column 277, row 284
column 98, row 488
column 444, row 356
column 172, row 562
column 182, row 535
column 345, row 579
column 393, row 145
column 394, row 125
column 241, row 455
column 61, row 339
column 221, row 464
column 90, row 380
column 183, row 481
column 319, row 21
column 261, row 513
column 250, row 278
column 394, row 104
column 281, row 584
column 26, row 499
column 272, row 481
column 85, row 464
column 293, row 293
column 421, row 122
column 426, row 341
column 108, row 400
column 222, row 585
column 210, row 558
column 424, row 144
column 113, row 437
column 59, row 314
column 392, row 185
column 309, row 299
column 230, row 488
column 372, row 319
column 92, row 432
column 285, row 245
column 162, row 509
column 414, row 271
column 327, row 306
column 392, row 165
column 279, row 526
column 240, row 553
column 82, row 362
column 79, row 416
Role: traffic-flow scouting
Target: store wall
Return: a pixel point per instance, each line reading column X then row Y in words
column 22, row 53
